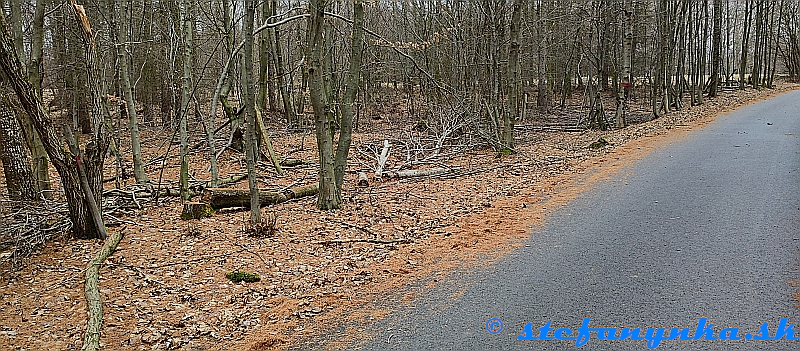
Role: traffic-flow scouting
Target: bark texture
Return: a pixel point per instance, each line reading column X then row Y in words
column 16, row 163
column 329, row 198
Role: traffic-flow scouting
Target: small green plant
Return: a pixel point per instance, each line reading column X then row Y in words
column 599, row 144
column 242, row 276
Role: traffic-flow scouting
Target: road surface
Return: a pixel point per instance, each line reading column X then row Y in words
column 708, row 227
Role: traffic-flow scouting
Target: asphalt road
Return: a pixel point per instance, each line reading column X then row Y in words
column 705, row 227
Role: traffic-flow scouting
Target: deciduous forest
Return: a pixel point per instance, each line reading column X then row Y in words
column 254, row 166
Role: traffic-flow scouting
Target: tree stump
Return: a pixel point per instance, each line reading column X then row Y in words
column 363, row 181
column 196, row 210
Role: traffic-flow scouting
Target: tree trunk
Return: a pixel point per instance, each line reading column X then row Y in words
column 329, row 198
column 133, row 122
column 512, row 74
column 755, row 76
column 250, row 110
column 264, row 99
column 37, row 43
column 83, row 226
column 187, row 25
column 745, row 46
column 716, row 49
column 350, row 92
column 283, row 85
column 38, row 154
column 16, row 163
column 263, row 138
column 627, row 81
column 16, row 28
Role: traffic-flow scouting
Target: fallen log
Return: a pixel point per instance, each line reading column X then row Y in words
column 417, row 173
column 92, row 292
column 292, row 162
column 194, row 189
column 219, row 198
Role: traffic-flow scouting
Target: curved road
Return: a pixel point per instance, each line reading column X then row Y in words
column 705, row 227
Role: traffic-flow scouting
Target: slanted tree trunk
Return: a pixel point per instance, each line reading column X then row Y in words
column 38, row 154
column 262, row 137
column 248, row 91
column 92, row 293
column 16, row 163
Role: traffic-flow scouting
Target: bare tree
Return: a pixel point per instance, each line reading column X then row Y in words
column 123, row 57
column 512, row 77
column 716, row 49
column 187, row 29
column 88, row 162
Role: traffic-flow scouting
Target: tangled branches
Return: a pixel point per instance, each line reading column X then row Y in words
column 25, row 226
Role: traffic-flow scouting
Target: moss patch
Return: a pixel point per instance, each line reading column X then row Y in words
column 243, row 276
column 599, row 144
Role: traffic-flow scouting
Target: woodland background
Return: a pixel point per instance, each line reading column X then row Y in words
column 169, row 105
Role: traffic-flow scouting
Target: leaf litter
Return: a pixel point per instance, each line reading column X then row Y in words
column 324, row 276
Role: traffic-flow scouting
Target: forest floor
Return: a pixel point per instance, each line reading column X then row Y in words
column 321, row 279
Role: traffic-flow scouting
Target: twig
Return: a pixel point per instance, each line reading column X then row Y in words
column 206, row 257
column 252, row 252
column 365, row 230
column 121, row 220
column 371, row 241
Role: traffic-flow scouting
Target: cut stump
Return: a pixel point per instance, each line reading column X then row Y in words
column 196, row 210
